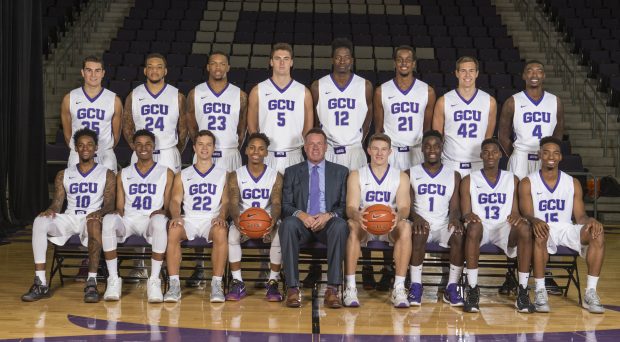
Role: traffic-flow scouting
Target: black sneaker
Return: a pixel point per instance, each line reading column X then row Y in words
column 37, row 291
column 368, row 278
column 509, row 286
column 523, row 303
column 314, row 275
column 386, row 281
column 472, row 299
column 551, row 286
column 197, row 278
column 91, row 294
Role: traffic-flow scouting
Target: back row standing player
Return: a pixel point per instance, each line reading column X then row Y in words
column 96, row 108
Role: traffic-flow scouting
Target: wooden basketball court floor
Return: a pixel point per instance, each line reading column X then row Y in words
column 66, row 317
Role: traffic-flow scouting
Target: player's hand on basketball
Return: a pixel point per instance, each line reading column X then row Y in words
column 515, row 219
column 420, row 226
column 177, row 222
column 541, row 228
column 471, row 218
column 594, row 227
column 48, row 213
column 457, row 225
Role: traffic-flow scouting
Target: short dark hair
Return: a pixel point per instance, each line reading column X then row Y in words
column 93, row 59
column 342, row 42
column 259, row 136
column 465, row 59
column 533, row 61
column 85, row 132
column 316, row 130
column 218, row 52
column 281, row 46
column 155, row 55
column 552, row 140
column 432, row 133
column 404, row 47
column 380, row 137
column 143, row 133
column 491, row 141
column 204, row 132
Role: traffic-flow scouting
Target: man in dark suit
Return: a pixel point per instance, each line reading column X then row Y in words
column 313, row 208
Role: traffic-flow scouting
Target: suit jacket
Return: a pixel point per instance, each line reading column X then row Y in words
column 297, row 187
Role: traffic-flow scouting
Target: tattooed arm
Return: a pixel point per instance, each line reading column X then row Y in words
column 59, row 196
column 129, row 127
column 243, row 112
column 181, row 126
column 234, row 197
column 109, row 194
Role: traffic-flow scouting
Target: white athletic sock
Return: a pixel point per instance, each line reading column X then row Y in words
column 455, row 273
column 156, row 268
column 399, row 282
column 415, row 274
column 592, row 282
column 92, row 275
column 174, row 278
column 216, row 279
column 472, row 277
column 112, row 268
column 41, row 276
column 540, row 283
column 236, row 275
column 274, row 275
column 524, row 277
column 350, row 280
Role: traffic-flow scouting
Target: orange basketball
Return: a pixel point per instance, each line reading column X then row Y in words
column 254, row 222
column 379, row 219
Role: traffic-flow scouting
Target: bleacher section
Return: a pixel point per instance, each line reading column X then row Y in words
column 58, row 15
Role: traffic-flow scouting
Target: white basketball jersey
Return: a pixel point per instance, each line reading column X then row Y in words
column 432, row 192
column 342, row 111
column 491, row 202
column 533, row 120
column 202, row 192
column 465, row 125
column 84, row 190
column 255, row 192
column 552, row 204
column 158, row 113
column 144, row 193
column 376, row 190
column 219, row 113
column 281, row 114
column 403, row 112
column 93, row 113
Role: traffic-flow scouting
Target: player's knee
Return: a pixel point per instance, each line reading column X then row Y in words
column 219, row 234
column 419, row 241
column 524, row 231
column 40, row 225
column 94, row 228
column 404, row 230
column 474, row 231
column 599, row 242
column 540, row 242
column 456, row 241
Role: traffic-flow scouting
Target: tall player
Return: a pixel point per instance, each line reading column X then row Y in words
column 549, row 198
column 201, row 189
column 343, row 103
column 530, row 115
column 436, row 217
column 89, row 190
column 96, row 108
column 378, row 183
column 281, row 108
column 465, row 116
column 142, row 197
column 255, row 185
column 403, row 109
column 490, row 208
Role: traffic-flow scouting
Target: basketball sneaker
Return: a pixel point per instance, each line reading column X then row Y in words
column 153, row 290
column 237, row 291
column 452, row 296
column 113, row 289
column 349, row 297
column 173, row 294
column 415, row 294
column 541, row 302
column 509, row 286
column 91, row 295
column 368, row 278
column 399, row 298
column 138, row 272
column 37, row 291
column 472, row 299
column 552, row 287
column 197, row 278
column 217, row 292
column 523, row 303
column 273, row 293
column 592, row 302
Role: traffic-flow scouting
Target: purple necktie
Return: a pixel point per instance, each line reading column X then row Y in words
column 315, row 192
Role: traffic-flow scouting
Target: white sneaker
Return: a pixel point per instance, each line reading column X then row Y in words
column 541, row 301
column 349, row 297
column 592, row 302
column 217, row 292
column 153, row 291
column 399, row 298
column 173, row 294
column 113, row 289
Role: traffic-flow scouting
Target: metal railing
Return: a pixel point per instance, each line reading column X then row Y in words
column 591, row 101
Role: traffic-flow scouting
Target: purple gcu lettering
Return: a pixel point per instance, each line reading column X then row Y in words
column 154, row 109
column 91, row 113
column 216, row 107
column 492, row 198
column 378, row 196
column 248, row 194
column 341, row 103
column 82, row 188
column 202, row 188
column 281, row 105
column 552, row 205
column 467, row 115
column 536, row 117
column 432, row 189
column 142, row 189
column 405, row 107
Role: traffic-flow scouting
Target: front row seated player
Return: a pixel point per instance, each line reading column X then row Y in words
column 436, row 217
column 201, row 189
column 548, row 199
column 255, row 185
column 378, row 183
column 142, row 197
column 89, row 189
column 490, row 208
